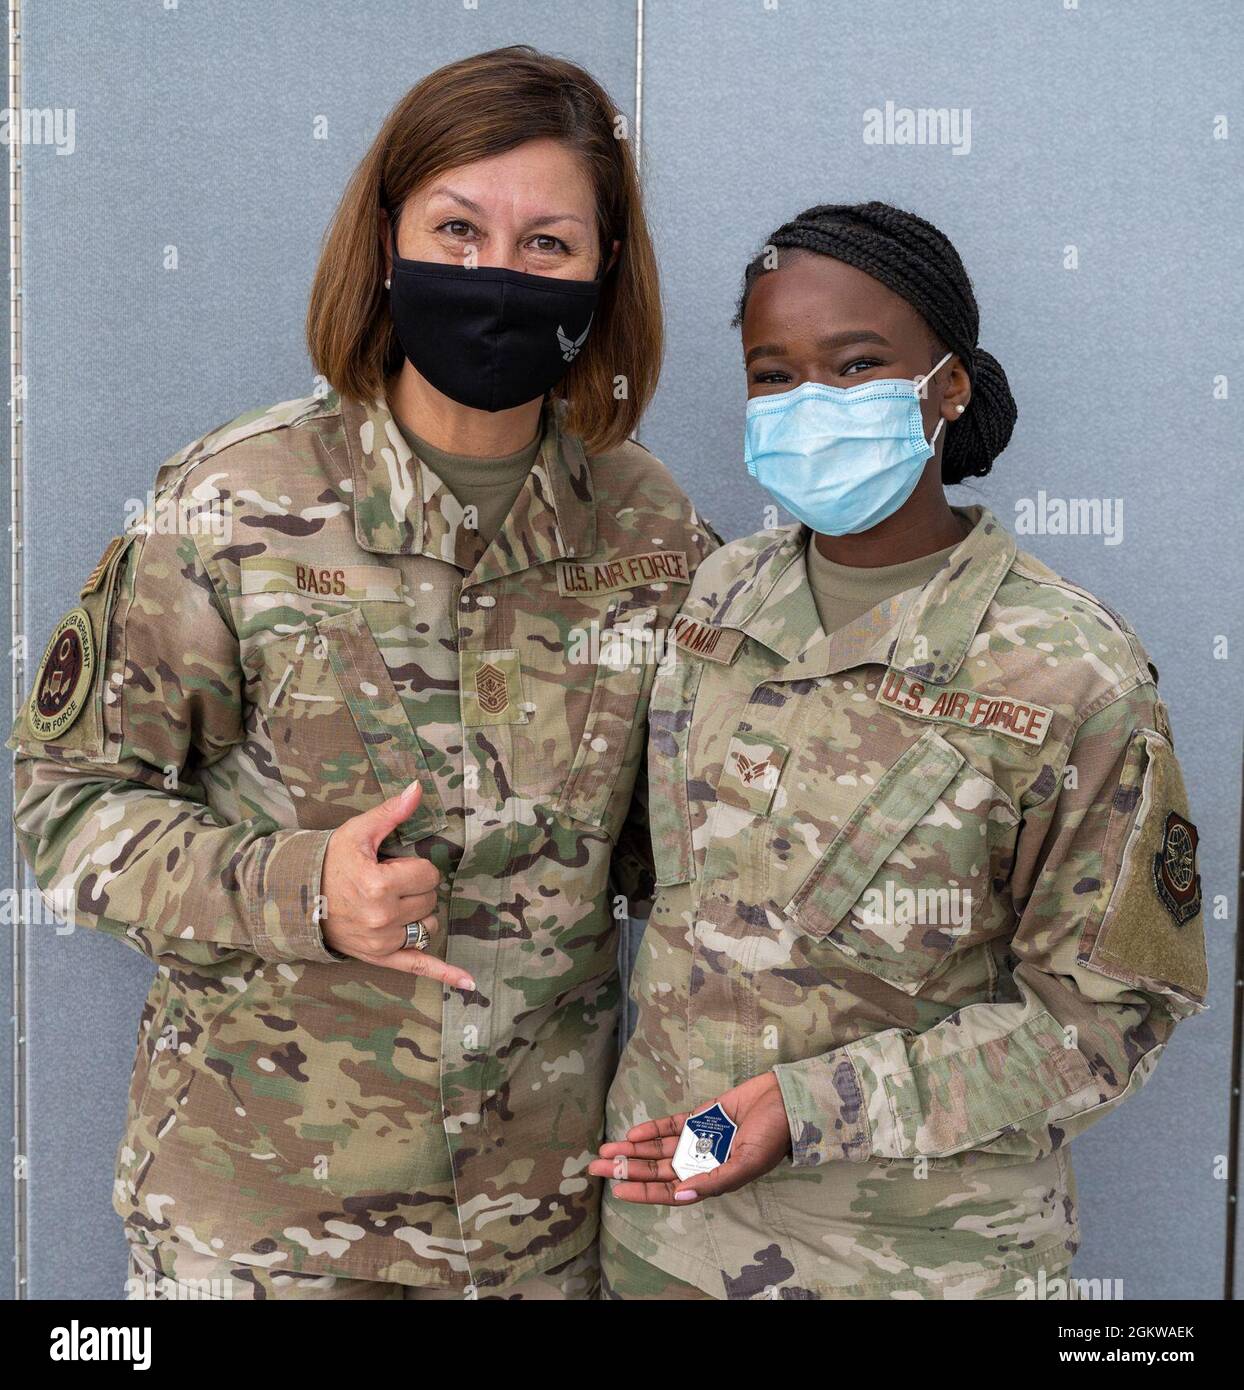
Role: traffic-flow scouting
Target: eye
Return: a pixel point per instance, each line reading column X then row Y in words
column 547, row 245
column 863, row 364
column 456, row 228
column 773, row 377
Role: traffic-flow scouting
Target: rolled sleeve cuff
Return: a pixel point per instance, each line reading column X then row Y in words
column 286, row 902
column 825, row 1108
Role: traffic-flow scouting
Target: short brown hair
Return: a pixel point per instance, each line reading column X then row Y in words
column 469, row 110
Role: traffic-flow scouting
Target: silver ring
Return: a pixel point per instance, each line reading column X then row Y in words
column 417, row 937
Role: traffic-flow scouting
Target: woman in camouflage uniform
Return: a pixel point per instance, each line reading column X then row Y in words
column 928, row 896
column 354, row 767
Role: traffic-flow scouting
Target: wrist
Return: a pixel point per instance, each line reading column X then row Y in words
column 825, row 1109
column 287, row 903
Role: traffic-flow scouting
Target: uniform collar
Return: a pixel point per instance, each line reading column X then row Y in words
column 402, row 508
column 925, row 632
column 944, row 616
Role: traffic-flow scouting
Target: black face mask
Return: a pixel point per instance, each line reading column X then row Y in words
column 489, row 338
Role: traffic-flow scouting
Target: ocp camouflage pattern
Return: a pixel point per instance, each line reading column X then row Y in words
column 915, row 868
column 260, row 683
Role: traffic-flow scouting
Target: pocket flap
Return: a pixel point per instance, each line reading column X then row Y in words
column 674, row 694
column 626, row 655
column 392, row 743
column 902, row 796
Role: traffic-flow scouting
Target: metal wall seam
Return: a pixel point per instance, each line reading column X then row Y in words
column 637, row 131
column 17, row 397
column 639, row 83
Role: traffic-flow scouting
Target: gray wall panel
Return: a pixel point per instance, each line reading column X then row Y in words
column 1090, row 128
column 194, row 130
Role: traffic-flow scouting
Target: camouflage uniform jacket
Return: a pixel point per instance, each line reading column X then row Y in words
column 239, row 693
column 934, row 870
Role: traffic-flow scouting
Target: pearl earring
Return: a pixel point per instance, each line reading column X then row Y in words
column 387, row 282
column 959, row 408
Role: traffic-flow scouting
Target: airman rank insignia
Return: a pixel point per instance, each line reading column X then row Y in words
column 720, row 644
column 63, row 679
column 626, row 572
column 1174, row 869
column 751, row 772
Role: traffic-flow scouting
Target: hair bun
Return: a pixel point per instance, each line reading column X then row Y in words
column 981, row 433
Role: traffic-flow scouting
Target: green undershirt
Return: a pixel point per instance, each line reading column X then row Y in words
column 845, row 592
column 488, row 485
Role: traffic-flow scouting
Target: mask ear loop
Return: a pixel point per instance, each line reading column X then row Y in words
column 922, row 381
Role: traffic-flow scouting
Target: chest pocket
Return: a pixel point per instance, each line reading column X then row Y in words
column 907, row 878
column 595, row 791
column 342, row 738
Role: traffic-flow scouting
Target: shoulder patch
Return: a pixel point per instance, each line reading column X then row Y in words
column 1175, row 869
column 58, row 694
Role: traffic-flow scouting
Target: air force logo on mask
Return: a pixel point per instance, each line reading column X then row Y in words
column 570, row 347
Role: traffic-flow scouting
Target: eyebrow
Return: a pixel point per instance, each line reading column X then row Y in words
column 829, row 342
column 474, row 207
column 456, row 197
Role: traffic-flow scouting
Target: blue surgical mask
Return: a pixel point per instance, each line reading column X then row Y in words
column 841, row 459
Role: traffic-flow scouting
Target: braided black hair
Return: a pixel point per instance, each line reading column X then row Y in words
column 915, row 260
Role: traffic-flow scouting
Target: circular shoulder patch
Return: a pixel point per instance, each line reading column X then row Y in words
column 63, row 679
column 1175, row 870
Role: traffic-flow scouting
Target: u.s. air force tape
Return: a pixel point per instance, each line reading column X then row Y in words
column 626, row 572
column 1019, row 719
column 64, row 677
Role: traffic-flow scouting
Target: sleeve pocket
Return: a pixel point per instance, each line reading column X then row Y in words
column 1151, row 934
